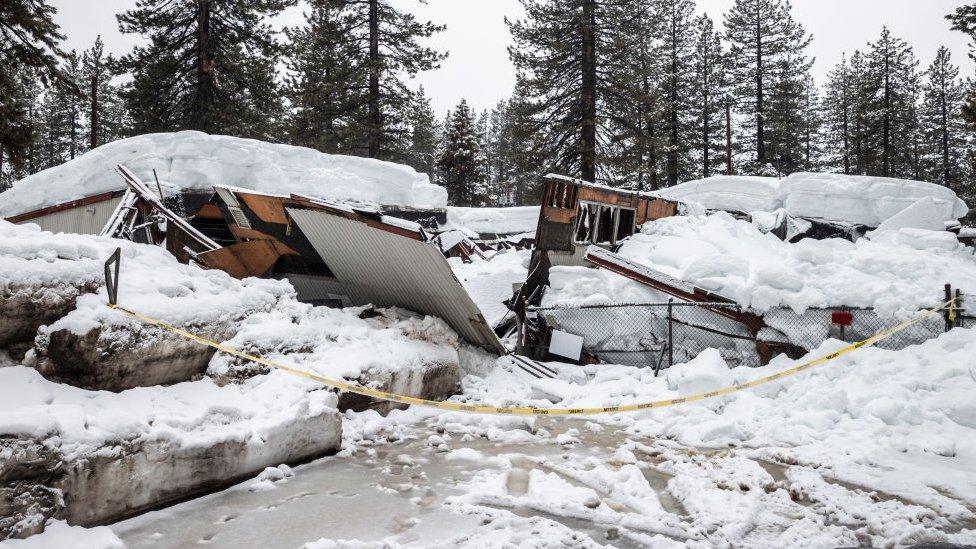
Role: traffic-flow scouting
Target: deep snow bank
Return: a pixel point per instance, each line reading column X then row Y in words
column 899, row 270
column 197, row 161
column 836, row 197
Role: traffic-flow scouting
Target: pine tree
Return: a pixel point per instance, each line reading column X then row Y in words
column 892, row 86
column 29, row 49
column 964, row 20
column 676, row 51
column 209, row 66
column 392, row 42
column 326, row 81
column 944, row 133
column 637, row 139
column 102, row 106
column 768, row 67
column 525, row 159
column 559, row 48
column 424, row 133
column 811, row 115
column 838, row 112
column 460, row 161
column 708, row 95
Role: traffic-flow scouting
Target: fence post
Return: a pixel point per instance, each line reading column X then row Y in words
column 670, row 334
column 947, row 314
column 959, row 309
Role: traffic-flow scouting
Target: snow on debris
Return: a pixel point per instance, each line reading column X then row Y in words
column 330, row 341
column 864, row 200
column 495, row 221
column 895, row 271
column 192, row 160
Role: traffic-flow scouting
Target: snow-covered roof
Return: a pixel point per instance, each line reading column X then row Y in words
column 516, row 220
column 192, row 160
column 903, row 268
column 863, row 200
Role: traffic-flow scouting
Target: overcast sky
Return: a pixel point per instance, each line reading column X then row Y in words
column 479, row 70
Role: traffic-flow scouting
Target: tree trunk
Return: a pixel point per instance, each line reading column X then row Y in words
column 93, row 115
column 588, row 95
column 946, row 175
column 886, row 122
column 375, row 117
column 845, row 109
column 673, row 105
column 204, row 83
column 728, row 138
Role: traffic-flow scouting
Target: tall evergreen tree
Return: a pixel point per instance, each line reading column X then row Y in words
column 29, row 49
column 708, row 98
column 501, row 155
column 677, row 51
column 559, row 47
column 768, row 65
column 838, row 112
column 209, row 66
column 811, row 114
column 460, row 160
column 633, row 96
column 425, row 131
column 103, row 109
column 326, row 81
column 892, row 86
column 392, row 41
column 964, row 20
column 944, row 132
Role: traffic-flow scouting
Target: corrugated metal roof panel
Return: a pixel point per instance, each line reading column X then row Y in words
column 379, row 267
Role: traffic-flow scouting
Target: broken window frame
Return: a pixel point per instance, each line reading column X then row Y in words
column 590, row 219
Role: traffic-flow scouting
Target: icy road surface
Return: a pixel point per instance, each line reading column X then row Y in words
column 565, row 483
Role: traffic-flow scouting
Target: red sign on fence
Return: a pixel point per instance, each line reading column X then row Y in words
column 842, row 318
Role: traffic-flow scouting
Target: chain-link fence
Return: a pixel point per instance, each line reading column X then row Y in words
column 657, row 335
column 654, row 334
column 966, row 313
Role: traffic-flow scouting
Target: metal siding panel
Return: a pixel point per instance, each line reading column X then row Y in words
column 387, row 270
column 81, row 220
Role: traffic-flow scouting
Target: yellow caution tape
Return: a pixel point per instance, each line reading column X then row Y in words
column 529, row 411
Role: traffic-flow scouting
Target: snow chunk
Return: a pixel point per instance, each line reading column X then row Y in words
column 501, row 221
column 192, row 160
column 729, row 192
column 836, row 197
column 59, row 534
column 706, row 372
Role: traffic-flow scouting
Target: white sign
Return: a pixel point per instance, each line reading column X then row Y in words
column 566, row 345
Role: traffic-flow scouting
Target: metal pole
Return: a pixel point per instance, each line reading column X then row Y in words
column 670, row 334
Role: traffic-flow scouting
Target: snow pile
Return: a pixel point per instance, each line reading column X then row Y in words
column 896, row 422
column 490, row 282
column 151, row 281
column 191, row 160
column 862, row 199
column 729, row 192
column 338, row 343
column 904, row 270
column 494, row 221
column 192, row 414
column 855, row 199
column 63, row 536
column 333, row 342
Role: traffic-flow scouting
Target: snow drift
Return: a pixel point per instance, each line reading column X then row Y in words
column 192, row 160
column 498, row 221
column 862, row 200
